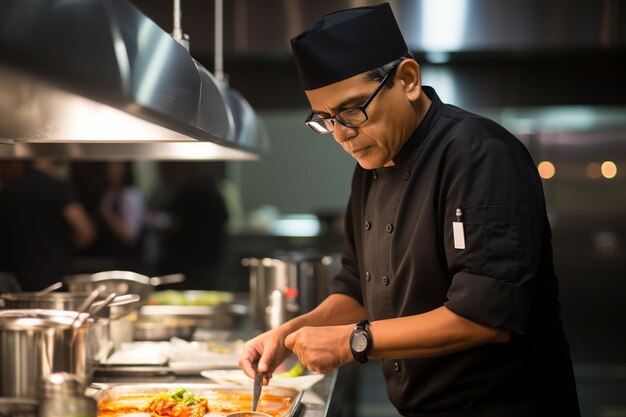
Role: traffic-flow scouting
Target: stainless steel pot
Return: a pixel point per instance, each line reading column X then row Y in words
column 120, row 282
column 100, row 341
column 64, row 301
column 284, row 287
column 36, row 343
column 51, row 301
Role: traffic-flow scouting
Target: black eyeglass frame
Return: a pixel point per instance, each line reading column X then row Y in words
column 320, row 120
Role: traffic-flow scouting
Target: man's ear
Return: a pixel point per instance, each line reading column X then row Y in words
column 409, row 73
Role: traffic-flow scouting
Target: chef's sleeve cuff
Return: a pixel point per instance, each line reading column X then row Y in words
column 347, row 285
column 489, row 301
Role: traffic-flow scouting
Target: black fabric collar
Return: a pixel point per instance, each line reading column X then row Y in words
column 417, row 140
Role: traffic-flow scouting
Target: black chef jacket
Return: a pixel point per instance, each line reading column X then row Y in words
column 400, row 259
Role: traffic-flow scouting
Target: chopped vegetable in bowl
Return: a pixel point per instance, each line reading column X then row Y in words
column 194, row 298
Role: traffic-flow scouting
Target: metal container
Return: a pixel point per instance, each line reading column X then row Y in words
column 164, row 328
column 120, row 282
column 63, row 395
column 218, row 396
column 161, row 322
column 100, row 341
column 284, row 287
column 37, row 343
column 50, row 301
column 64, row 301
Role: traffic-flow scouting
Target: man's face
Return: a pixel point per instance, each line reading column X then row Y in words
column 374, row 143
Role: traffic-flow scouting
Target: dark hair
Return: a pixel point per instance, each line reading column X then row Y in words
column 129, row 173
column 379, row 73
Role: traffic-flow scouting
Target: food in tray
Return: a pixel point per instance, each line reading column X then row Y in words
column 180, row 402
column 175, row 403
column 190, row 298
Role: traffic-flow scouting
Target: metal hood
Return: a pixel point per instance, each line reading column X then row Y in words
column 96, row 79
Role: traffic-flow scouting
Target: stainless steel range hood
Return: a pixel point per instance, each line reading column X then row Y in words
column 96, row 79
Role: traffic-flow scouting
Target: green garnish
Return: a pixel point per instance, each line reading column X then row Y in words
column 181, row 395
column 178, row 394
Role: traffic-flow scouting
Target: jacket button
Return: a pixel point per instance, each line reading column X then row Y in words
column 385, row 280
column 375, row 175
column 389, row 228
column 406, row 175
column 367, row 276
column 368, row 225
column 396, row 366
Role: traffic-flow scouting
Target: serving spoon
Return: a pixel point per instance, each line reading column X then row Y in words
column 256, row 389
column 256, row 394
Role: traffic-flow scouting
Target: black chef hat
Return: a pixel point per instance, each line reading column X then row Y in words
column 346, row 43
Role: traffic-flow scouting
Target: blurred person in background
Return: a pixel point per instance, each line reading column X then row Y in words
column 122, row 213
column 193, row 231
column 41, row 225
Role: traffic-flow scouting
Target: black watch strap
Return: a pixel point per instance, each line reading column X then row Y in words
column 361, row 341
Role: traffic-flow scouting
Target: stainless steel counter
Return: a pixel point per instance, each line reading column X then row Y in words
column 316, row 400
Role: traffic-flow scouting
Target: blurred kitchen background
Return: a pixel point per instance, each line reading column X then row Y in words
column 551, row 71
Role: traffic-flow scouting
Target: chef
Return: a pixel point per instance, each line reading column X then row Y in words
column 447, row 277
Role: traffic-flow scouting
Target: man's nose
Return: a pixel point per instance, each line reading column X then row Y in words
column 342, row 133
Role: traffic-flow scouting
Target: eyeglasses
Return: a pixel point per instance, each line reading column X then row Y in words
column 349, row 118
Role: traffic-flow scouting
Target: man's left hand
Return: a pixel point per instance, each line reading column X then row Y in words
column 321, row 349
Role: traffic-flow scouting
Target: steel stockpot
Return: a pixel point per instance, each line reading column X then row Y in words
column 286, row 286
column 35, row 343
column 120, row 282
column 100, row 341
column 68, row 301
column 50, row 301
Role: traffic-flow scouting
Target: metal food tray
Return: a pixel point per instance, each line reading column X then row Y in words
column 114, row 392
column 222, row 316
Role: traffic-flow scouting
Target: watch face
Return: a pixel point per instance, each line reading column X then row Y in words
column 358, row 342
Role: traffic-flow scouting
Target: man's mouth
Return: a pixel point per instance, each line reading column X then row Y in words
column 359, row 152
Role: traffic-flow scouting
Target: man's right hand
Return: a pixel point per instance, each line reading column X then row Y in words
column 264, row 353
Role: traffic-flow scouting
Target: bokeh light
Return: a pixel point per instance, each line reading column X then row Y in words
column 593, row 170
column 609, row 169
column 546, row 170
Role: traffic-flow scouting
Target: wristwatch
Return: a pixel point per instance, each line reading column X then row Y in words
column 361, row 341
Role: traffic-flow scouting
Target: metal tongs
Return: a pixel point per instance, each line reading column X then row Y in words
column 113, row 300
column 83, row 313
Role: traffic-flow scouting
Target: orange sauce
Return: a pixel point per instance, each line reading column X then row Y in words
column 161, row 405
